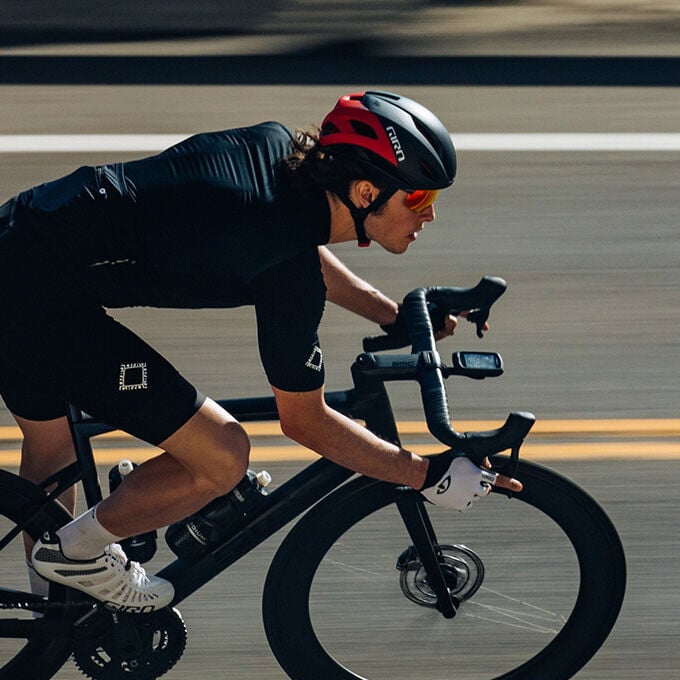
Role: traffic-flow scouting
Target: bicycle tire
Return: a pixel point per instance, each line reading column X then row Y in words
column 36, row 658
column 564, row 510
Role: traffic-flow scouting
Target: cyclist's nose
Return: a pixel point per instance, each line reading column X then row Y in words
column 429, row 214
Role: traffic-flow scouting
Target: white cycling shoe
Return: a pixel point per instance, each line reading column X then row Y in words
column 110, row 578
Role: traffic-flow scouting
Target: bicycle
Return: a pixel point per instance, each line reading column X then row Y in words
column 448, row 589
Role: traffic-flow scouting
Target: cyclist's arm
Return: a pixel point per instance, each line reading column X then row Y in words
column 307, row 419
column 346, row 289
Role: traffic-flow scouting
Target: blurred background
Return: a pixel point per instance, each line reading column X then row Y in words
column 432, row 27
column 588, row 239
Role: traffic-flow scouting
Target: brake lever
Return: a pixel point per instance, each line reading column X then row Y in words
column 479, row 317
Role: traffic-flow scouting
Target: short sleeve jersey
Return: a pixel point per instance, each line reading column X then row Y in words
column 210, row 222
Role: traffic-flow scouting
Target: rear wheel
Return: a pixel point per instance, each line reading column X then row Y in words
column 30, row 647
column 541, row 578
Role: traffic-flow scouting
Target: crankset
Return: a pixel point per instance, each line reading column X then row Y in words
column 110, row 645
column 462, row 569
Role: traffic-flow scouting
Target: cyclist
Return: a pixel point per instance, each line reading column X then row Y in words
column 222, row 219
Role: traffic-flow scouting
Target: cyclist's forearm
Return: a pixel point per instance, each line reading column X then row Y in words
column 345, row 442
column 346, row 289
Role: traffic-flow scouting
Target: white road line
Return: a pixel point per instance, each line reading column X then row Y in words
column 571, row 141
column 86, row 143
column 586, row 141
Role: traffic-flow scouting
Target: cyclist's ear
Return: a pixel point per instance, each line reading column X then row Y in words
column 363, row 192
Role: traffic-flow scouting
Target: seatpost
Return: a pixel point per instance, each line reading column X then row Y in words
column 81, row 433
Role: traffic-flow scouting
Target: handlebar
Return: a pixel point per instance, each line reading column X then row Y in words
column 454, row 300
column 430, row 375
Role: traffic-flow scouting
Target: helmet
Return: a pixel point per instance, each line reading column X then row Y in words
column 395, row 136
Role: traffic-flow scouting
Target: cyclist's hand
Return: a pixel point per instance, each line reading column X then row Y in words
column 450, row 324
column 504, row 482
column 444, row 323
column 463, row 483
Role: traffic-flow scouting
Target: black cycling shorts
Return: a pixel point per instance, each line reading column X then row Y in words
column 104, row 369
column 57, row 346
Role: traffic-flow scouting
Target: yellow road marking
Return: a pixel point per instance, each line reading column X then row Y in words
column 641, row 427
column 579, row 439
column 538, row 451
column 263, row 429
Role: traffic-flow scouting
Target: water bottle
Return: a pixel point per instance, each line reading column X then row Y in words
column 138, row 548
column 195, row 534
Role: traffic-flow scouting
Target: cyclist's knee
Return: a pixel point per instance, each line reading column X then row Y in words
column 225, row 464
column 213, row 447
column 236, row 446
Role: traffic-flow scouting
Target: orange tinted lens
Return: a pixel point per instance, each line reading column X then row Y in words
column 421, row 199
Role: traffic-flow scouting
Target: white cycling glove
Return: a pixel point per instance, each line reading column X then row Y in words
column 462, row 484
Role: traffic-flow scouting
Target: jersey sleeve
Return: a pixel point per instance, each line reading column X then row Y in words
column 289, row 302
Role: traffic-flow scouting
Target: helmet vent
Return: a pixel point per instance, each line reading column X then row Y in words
column 363, row 129
column 329, row 129
column 427, row 133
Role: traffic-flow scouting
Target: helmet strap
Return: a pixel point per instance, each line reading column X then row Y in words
column 359, row 215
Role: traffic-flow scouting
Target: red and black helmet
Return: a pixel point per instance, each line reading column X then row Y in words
column 396, row 136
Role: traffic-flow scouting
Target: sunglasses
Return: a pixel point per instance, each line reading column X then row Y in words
column 421, row 199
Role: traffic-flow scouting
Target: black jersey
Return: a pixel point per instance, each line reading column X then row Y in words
column 210, row 222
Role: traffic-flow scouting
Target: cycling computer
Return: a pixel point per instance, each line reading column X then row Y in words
column 478, row 365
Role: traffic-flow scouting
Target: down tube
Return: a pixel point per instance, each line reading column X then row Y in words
column 280, row 507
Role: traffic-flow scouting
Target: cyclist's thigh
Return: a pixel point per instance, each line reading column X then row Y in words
column 86, row 357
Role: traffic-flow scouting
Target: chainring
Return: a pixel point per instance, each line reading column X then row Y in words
column 109, row 645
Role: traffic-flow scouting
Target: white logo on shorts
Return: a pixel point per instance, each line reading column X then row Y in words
column 315, row 360
column 132, row 377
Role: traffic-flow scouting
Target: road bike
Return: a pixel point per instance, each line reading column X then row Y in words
column 372, row 581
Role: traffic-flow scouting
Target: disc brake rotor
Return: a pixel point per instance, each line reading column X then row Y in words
column 109, row 645
column 462, row 568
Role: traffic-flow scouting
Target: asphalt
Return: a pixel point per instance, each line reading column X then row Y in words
column 588, row 242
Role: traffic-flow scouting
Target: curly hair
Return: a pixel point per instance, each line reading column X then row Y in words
column 311, row 168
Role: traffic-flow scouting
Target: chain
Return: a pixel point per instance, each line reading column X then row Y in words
column 44, row 605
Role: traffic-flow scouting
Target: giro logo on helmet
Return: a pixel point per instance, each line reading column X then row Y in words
column 396, row 145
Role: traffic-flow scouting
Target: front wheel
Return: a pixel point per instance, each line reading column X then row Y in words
column 543, row 577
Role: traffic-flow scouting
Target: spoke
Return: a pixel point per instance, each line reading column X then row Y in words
column 353, row 568
column 522, row 615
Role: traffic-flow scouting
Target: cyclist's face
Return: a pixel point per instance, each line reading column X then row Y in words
column 396, row 226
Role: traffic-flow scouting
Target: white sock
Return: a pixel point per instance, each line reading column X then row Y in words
column 84, row 537
column 37, row 584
